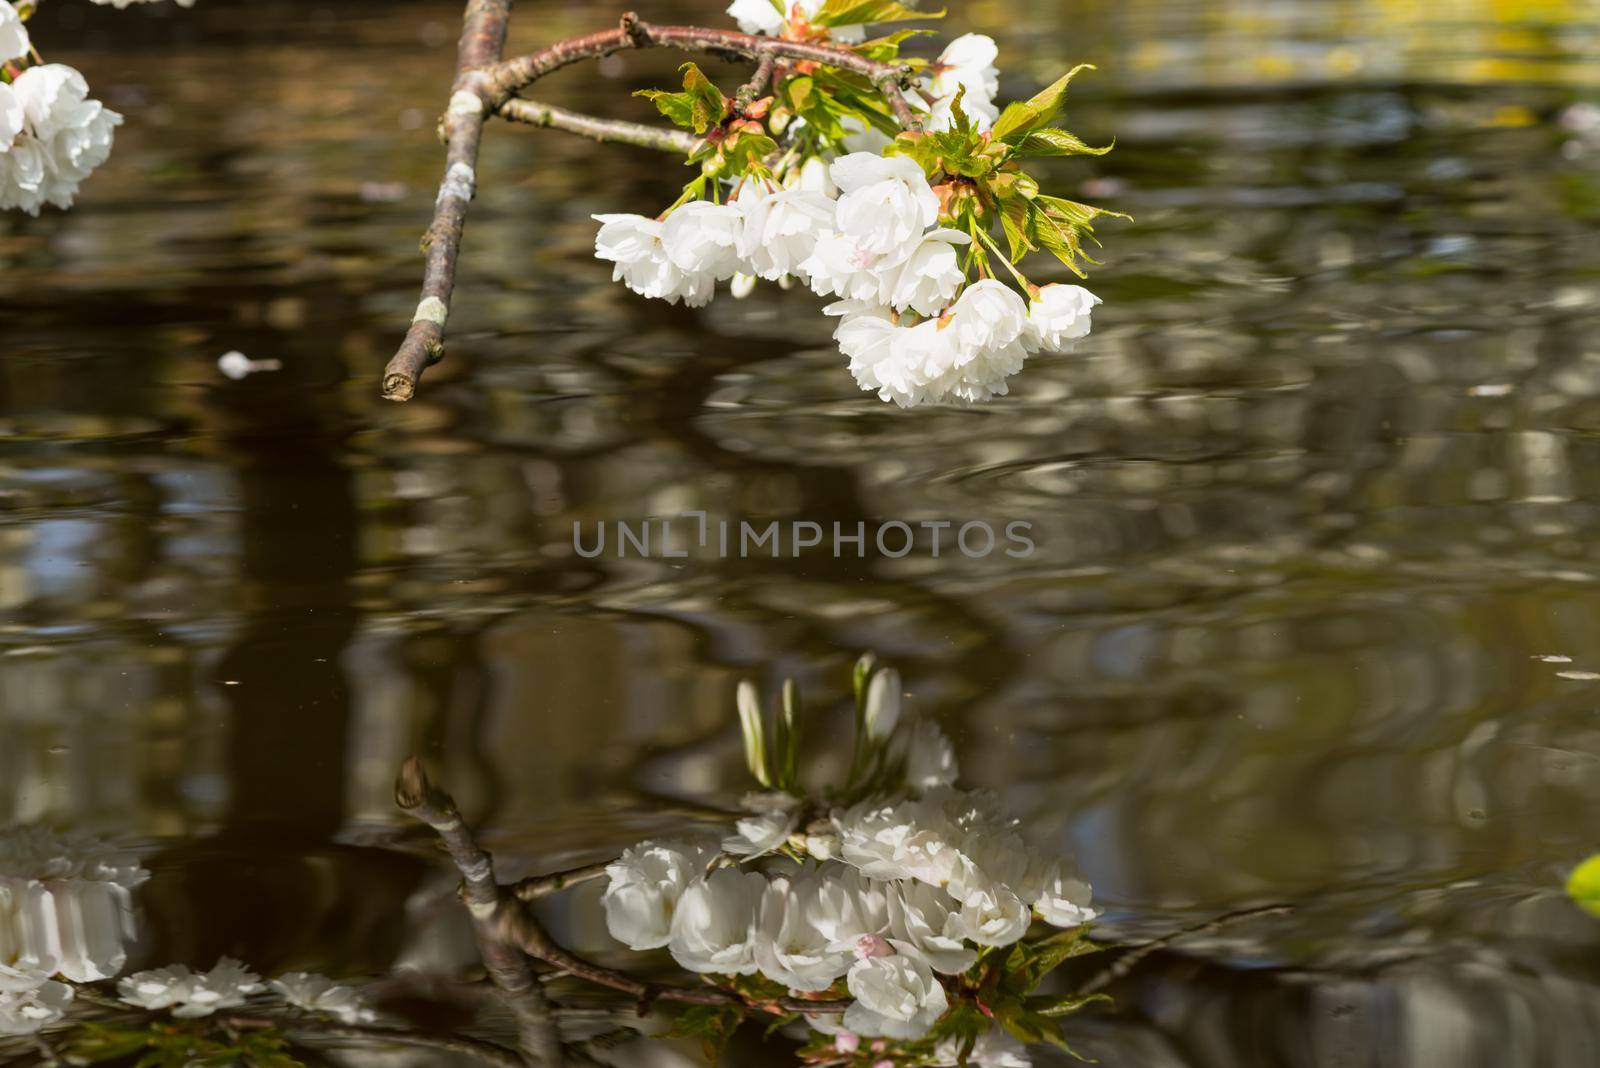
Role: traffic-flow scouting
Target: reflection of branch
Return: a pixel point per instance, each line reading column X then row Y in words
column 505, row 925
column 536, row 113
column 537, row 886
column 509, row 971
column 1130, row 960
column 485, row 1052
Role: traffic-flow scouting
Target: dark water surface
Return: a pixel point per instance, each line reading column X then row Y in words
column 1317, row 507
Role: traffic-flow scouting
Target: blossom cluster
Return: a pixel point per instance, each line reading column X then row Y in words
column 884, row 900
column 188, row 994
column 66, row 912
column 807, row 186
column 52, row 135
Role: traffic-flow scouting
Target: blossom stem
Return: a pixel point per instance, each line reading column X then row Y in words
column 617, row 131
column 1003, row 258
column 1128, row 961
column 537, row 886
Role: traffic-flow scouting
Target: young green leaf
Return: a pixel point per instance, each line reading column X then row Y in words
column 1583, row 886
column 887, row 49
column 1019, row 119
column 860, row 12
column 1053, row 141
column 677, row 107
column 713, row 1025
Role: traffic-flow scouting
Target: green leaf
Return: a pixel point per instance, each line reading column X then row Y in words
column 1055, row 1007
column 1030, row 962
column 710, row 107
column 887, row 49
column 1019, row 119
column 1016, row 217
column 1053, row 141
column 1583, row 886
column 677, row 107
column 860, row 12
column 95, row 1042
column 713, row 1025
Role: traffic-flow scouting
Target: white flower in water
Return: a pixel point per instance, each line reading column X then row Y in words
column 781, row 228
column 64, row 137
column 848, row 907
column 14, row 43
column 897, row 841
column 761, row 833
column 31, row 1011
column 634, row 244
column 930, row 276
column 1064, row 901
column 882, row 707
column 1060, row 315
column 702, row 238
column 885, row 202
column 993, row 1049
column 190, row 994
column 66, row 907
column 994, row 916
column 927, row 924
column 714, row 927
column 317, row 993
column 645, row 885
column 929, row 756
column 896, row 997
column 790, row 948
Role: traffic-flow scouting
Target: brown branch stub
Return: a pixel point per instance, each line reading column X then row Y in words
column 483, row 39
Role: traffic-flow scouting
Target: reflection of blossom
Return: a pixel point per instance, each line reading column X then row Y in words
column 645, row 884
column 993, row 1049
column 66, row 907
column 30, row 1011
column 318, row 993
column 190, row 994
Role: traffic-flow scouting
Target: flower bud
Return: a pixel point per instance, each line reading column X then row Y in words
column 883, row 704
column 755, row 739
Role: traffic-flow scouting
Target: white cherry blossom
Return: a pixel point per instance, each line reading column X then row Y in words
column 317, row 993
column 14, row 43
column 848, row 907
column 27, row 1012
column 190, row 994
column 714, row 927
column 644, row 886
column 702, row 238
column 840, row 265
column 967, row 63
column 634, row 243
column 780, row 228
column 993, row 1049
column 791, row 949
column 994, row 916
column 930, row 276
column 885, row 202
column 64, row 137
column 1064, row 900
column 896, row 997
column 927, row 924
column 1059, row 315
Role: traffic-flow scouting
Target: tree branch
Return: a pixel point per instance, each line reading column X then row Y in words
column 508, row 969
column 505, row 923
column 486, row 1052
column 1128, row 961
column 483, row 39
column 537, row 886
column 485, row 84
column 535, row 113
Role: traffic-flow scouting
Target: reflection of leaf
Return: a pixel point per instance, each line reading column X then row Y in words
column 1584, row 885
column 178, row 1045
column 713, row 1025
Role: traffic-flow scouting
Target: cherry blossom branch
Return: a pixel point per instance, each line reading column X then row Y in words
column 507, row 968
column 487, row 85
column 483, row 39
column 537, row 886
column 618, row 131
